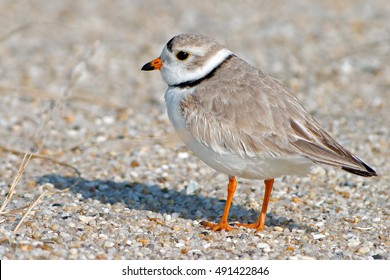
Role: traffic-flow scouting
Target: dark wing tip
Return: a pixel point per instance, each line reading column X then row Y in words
column 369, row 172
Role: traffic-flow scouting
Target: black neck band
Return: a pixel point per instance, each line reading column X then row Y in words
column 208, row 76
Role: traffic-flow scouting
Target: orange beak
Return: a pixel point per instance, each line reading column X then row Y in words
column 155, row 64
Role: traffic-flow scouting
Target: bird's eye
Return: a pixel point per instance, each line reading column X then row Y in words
column 182, row 55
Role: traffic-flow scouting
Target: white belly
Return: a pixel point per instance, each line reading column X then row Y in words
column 229, row 163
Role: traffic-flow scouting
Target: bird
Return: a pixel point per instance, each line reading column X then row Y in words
column 242, row 122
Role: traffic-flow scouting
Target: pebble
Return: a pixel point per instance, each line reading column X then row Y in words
column 109, row 244
column 86, row 219
column 279, row 229
column 71, row 224
column 364, row 250
column 320, row 224
column 267, row 250
column 354, row 243
column 108, row 120
column 55, row 227
column 66, row 236
column 262, row 245
column 183, row 155
column 176, row 227
column 191, row 188
column 103, row 236
column 318, row 236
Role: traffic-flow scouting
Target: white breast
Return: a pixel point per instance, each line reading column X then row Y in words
column 173, row 97
column 226, row 162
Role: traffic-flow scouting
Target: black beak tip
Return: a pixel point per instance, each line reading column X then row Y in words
column 147, row 67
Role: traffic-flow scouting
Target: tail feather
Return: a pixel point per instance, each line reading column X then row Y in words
column 368, row 172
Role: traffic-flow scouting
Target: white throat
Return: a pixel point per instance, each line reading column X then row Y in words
column 173, row 74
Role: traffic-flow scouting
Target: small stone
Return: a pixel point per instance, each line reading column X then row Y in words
column 364, row 250
column 346, row 67
column 378, row 257
column 176, row 227
column 178, row 245
column 55, row 227
column 184, row 251
column 318, row 236
column 279, row 229
column 354, row 243
column 244, row 236
column 26, row 247
column 143, row 241
column 346, row 194
column 69, row 119
column 101, row 256
column 262, row 245
column 103, row 236
column 320, row 224
column 101, row 139
column 195, row 251
column 376, row 220
column 352, row 220
column 86, row 219
column 109, row 244
column 183, row 155
column 267, row 250
column 66, row 236
column 260, row 234
column 36, row 235
column 108, row 120
column 71, row 224
column 191, row 188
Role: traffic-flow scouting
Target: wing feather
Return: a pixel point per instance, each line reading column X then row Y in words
column 250, row 114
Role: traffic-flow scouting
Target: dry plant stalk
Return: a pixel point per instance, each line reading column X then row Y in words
column 19, row 174
column 72, row 78
column 32, row 205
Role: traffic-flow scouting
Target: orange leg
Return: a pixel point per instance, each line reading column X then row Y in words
column 267, row 195
column 223, row 223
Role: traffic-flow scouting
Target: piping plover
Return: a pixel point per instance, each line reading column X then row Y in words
column 240, row 121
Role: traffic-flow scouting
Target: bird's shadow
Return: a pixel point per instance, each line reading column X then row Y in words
column 151, row 197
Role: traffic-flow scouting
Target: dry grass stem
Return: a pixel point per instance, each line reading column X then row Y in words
column 19, row 174
column 73, row 76
column 32, row 205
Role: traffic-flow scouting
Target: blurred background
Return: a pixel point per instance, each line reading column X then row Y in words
column 86, row 57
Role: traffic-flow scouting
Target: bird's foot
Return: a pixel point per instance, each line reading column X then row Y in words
column 217, row 227
column 257, row 226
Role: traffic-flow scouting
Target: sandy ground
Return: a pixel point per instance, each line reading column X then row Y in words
column 73, row 94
